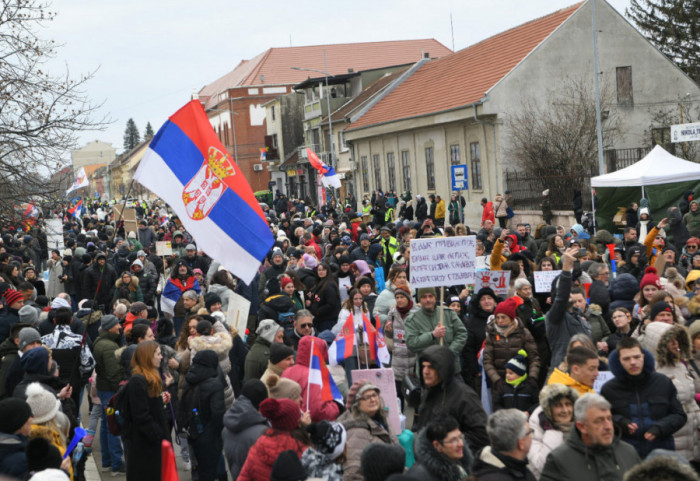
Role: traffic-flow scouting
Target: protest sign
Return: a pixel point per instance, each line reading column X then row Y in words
column 603, row 377
column 164, row 248
column 443, row 261
column 54, row 235
column 543, row 280
column 384, row 380
column 499, row 281
column 237, row 314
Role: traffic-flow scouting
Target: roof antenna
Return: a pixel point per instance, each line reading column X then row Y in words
column 452, row 29
column 290, row 40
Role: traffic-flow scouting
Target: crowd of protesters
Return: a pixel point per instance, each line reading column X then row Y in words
column 489, row 387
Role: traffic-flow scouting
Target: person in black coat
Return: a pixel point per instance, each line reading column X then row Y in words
column 324, row 299
column 578, row 206
column 99, row 281
column 441, row 461
column 205, row 375
column 421, row 209
column 146, row 426
column 479, row 311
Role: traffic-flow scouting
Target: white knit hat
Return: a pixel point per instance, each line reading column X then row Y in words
column 43, row 403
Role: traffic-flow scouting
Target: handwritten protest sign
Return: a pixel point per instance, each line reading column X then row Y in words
column 237, row 314
column 164, row 248
column 543, row 280
column 499, row 281
column 443, row 261
column 384, row 380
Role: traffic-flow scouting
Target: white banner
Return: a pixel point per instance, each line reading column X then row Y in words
column 543, row 280
column 54, row 235
column 499, row 281
column 443, row 261
column 685, row 132
column 237, row 315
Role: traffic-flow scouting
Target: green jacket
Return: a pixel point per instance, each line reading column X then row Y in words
column 419, row 332
column 692, row 222
column 108, row 368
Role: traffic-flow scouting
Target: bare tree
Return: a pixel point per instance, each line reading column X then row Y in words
column 40, row 113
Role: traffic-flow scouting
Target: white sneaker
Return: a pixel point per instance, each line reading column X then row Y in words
column 187, row 466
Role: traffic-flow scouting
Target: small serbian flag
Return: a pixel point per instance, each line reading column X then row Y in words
column 187, row 166
column 341, row 349
column 319, row 375
column 76, row 210
column 383, row 354
column 373, row 336
column 330, row 178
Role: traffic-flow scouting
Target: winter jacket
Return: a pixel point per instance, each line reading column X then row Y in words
column 131, row 293
column 325, row 306
column 55, row 286
column 272, row 272
column 8, row 318
column 500, row 206
column 205, row 374
column 678, row 229
column 492, row 466
column 560, row 377
column 361, row 431
column 434, row 466
column 476, row 335
column 221, row 343
column 545, row 438
column 692, row 222
column 622, row 291
column 561, row 323
column 574, row 461
column 13, row 461
column 147, row 237
column 274, row 306
column 385, row 301
column 108, row 368
column 502, row 347
column 532, row 317
column 106, row 277
column 403, row 360
column 440, row 210
column 299, row 372
column 243, row 425
column 8, row 355
column 600, row 295
column 488, row 213
column 320, row 466
column 147, row 427
column 649, row 400
column 421, row 210
column 264, row 453
column 451, row 397
column 148, row 285
column 223, row 292
column 419, row 332
column 522, row 397
column 257, row 359
column 599, row 328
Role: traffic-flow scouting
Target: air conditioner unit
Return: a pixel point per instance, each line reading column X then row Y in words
column 257, row 167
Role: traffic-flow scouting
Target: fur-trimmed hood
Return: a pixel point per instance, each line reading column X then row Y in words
column 663, row 355
column 133, row 285
column 437, row 464
column 219, row 342
column 552, row 393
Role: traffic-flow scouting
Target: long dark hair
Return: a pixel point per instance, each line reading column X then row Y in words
column 321, row 284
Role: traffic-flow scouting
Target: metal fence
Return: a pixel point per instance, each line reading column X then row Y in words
column 526, row 189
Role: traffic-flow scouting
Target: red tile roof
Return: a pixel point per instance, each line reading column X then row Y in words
column 464, row 77
column 272, row 67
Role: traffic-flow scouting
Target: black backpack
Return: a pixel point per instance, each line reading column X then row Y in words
column 116, row 411
column 184, row 415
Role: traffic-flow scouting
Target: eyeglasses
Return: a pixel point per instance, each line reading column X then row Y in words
column 691, row 246
column 370, row 396
column 457, row 440
column 305, row 326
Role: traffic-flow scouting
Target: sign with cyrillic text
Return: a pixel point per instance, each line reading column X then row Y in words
column 543, row 280
column 443, row 261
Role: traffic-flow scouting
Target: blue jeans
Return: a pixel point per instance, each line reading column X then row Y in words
column 110, row 445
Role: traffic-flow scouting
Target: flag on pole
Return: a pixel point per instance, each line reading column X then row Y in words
column 341, row 349
column 77, row 209
column 187, row 166
column 80, row 181
column 383, row 354
column 319, row 375
column 330, row 178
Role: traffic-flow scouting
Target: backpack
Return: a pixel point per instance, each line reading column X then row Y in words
column 184, row 415
column 116, row 411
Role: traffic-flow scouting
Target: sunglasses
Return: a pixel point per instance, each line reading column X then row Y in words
column 305, row 326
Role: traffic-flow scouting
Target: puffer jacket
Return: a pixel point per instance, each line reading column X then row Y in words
column 545, row 439
column 500, row 206
column 649, row 400
column 502, row 347
column 687, row 438
column 622, row 291
column 476, row 335
column 434, row 466
column 403, row 360
column 243, row 425
column 599, row 328
column 574, row 461
column 299, row 372
column 13, row 460
column 131, row 293
column 264, row 453
column 451, row 397
column 385, row 301
column 361, row 431
column 220, row 343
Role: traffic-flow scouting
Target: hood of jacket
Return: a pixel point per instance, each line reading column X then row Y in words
column 578, row 228
column 632, row 251
column 205, row 365
column 675, row 332
column 363, row 268
column 242, row 415
column 219, row 342
column 132, row 285
column 674, row 217
column 624, row 288
column 436, row 463
column 616, row 368
column 36, row 361
column 442, row 360
column 304, row 349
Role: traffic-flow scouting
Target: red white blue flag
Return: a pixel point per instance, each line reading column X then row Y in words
column 77, row 209
column 187, row 166
column 319, row 375
column 341, row 349
column 373, row 336
column 330, row 178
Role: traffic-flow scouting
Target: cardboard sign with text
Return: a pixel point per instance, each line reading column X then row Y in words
column 499, row 281
column 128, row 217
column 164, row 248
column 237, row 314
column 543, row 280
column 384, row 380
column 443, row 261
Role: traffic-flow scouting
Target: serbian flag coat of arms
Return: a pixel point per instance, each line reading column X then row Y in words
column 186, row 166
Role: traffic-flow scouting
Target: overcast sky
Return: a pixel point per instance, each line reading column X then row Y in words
column 151, row 55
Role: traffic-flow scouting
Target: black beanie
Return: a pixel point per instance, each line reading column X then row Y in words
column 255, row 391
column 280, row 352
column 380, row 460
column 41, row 455
column 211, row 299
column 288, row 467
column 13, row 414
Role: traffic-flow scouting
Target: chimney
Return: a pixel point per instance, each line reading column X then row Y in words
column 426, row 54
column 351, row 70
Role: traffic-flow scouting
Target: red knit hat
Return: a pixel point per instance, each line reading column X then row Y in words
column 285, row 280
column 283, row 414
column 12, row 296
column 506, row 307
column 650, row 278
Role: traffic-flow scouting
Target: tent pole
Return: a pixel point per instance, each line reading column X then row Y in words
column 643, row 194
column 595, row 223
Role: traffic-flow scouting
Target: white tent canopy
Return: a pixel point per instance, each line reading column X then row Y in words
column 658, row 167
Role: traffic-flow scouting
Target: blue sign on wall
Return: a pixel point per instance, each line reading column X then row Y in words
column 460, row 180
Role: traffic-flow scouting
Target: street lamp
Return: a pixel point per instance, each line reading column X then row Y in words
column 328, row 99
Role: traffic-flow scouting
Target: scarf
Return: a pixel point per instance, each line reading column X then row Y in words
column 405, row 310
column 518, row 381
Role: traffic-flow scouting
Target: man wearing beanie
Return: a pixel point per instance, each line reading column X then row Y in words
column 15, row 424
column 243, row 425
column 423, row 328
column 267, row 333
column 109, row 374
column 27, row 339
column 9, row 350
column 14, row 301
column 564, row 320
column 281, row 357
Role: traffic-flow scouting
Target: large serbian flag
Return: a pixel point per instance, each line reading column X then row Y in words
column 188, row 168
column 319, row 375
column 330, row 178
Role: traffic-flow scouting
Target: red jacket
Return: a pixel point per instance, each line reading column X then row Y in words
column 320, row 410
column 313, row 243
column 264, row 453
column 488, row 213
